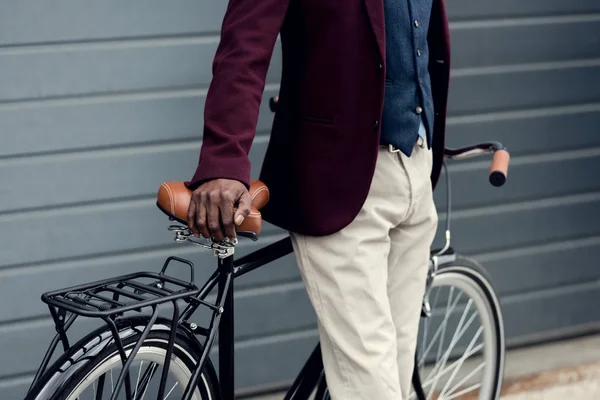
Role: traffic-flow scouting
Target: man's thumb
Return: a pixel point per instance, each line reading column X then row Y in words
column 243, row 208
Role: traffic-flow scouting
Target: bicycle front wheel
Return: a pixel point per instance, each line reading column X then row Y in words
column 460, row 353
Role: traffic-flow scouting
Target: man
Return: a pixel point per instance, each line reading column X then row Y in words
column 349, row 165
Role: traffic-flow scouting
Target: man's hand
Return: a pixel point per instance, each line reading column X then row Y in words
column 216, row 206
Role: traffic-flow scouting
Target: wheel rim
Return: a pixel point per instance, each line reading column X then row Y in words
column 457, row 348
column 148, row 360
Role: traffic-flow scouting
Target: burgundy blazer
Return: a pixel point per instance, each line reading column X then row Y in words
column 325, row 138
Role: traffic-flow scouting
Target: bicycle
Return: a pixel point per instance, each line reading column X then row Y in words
column 129, row 336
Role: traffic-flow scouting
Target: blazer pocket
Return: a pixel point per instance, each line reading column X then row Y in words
column 316, row 120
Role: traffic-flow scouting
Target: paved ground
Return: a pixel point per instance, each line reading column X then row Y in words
column 568, row 370
column 577, row 383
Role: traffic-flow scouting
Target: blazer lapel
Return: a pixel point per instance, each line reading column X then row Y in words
column 375, row 13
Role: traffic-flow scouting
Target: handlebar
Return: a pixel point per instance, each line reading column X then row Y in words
column 500, row 159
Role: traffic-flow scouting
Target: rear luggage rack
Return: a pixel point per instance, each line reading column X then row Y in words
column 115, row 296
column 109, row 299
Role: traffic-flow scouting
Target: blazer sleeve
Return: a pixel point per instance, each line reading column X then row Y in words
column 249, row 31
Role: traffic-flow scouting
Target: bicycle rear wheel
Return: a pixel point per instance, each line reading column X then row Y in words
column 460, row 354
column 96, row 365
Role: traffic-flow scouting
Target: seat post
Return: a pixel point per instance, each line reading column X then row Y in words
column 226, row 337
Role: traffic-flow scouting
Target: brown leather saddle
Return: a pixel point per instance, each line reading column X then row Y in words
column 173, row 199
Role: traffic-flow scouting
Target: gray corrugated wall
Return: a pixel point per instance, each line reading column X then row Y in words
column 102, row 101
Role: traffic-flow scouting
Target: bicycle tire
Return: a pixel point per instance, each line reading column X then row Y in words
column 473, row 271
column 90, row 353
column 466, row 268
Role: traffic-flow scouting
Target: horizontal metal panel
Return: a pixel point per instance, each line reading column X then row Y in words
column 72, row 20
column 539, row 267
column 100, row 68
column 515, row 88
column 118, row 229
column 98, row 229
column 70, row 125
column 29, row 341
column 79, row 125
column 39, row 21
column 100, row 176
column 546, row 266
column 552, row 311
column 85, row 231
column 529, row 178
column 15, row 389
column 531, row 131
column 46, row 277
column 81, row 232
column 273, row 360
column 471, row 9
column 486, row 44
column 522, row 224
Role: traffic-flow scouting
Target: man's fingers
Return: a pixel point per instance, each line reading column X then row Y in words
column 226, row 209
column 243, row 209
column 191, row 218
column 201, row 220
column 217, row 206
column 214, row 223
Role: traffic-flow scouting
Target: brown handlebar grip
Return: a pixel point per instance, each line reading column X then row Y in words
column 499, row 168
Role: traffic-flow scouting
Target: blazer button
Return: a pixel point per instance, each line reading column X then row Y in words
column 375, row 124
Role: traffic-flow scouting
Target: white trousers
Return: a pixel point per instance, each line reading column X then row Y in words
column 366, row 281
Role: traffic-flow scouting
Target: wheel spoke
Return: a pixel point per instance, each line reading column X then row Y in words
column 154, row 367
column 426, row 325
column 467, row 377
column 454, row 340
column 461, row 360
column 439, row 330
column 138, row 379
column 440, row 356
column 174, row 386
column 446, row 354
column 467, row 390
column 447, row 317
column 112, row 384
column 145, row 380
column 443, row 372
